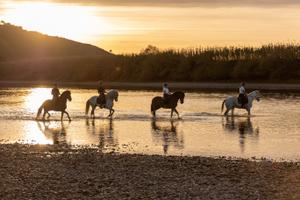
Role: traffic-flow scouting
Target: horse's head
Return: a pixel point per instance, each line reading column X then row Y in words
column 66, row 95
column 113, row 94
column 180, row 95
column 116, row 96
column 257, row 95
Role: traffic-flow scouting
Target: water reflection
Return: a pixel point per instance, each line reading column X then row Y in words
column 167, row 135
column 105, row 131
column 55, row 131
column 243, row 127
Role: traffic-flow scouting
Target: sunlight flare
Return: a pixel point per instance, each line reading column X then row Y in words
column 64, row 20
column 36, row 97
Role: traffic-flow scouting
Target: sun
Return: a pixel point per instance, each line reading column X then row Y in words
column 65, row 20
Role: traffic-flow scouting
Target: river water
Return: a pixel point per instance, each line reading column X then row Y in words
column 273, row 130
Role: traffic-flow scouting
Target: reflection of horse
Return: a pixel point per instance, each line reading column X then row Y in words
column 57, row 134
column 110, row 97
column 106, row 134
column 158, row 102
column 168, row 135
column 243, row 127
column 60, row 105
column 232, row 102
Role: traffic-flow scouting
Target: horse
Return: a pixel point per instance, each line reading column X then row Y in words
column 232, row 102
column 158, row 102
column 61, row 106
column 110, row 97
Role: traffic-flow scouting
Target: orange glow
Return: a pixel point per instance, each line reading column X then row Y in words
column 126, row 28
column 36, row 97
column 69, row 21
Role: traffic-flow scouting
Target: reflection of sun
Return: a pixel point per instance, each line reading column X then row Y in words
column 36, row 97
column 34, row 135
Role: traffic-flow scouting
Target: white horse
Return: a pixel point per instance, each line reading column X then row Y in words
column 232, row 102
column 110, row 97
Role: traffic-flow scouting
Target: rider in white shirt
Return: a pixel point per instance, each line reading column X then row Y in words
column 243, row 99
column 166, row 92
column 242, row 89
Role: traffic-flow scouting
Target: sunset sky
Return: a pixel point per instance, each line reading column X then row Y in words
column 126, row 26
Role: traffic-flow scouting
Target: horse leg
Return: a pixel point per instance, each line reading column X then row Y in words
column 48, row 115
column 232, row 112
column 153, row 114
column 172, row 110
column 111, row 112
column 68, row 115
column 226, row 112
column 62, row 115
column 248, row 111
column 177, row 113
column 93, row 112
column 44, row 115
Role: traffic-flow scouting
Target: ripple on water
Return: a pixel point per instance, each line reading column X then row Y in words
column 272, row 131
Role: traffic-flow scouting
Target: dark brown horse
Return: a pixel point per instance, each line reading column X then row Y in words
column 159, row 102
column 60, row 106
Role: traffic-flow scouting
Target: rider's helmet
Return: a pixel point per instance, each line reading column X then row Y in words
column 242, row 83
column 165, row 84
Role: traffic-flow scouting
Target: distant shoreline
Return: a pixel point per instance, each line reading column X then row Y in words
column 190, row 86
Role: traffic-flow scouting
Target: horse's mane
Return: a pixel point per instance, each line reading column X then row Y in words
column 65, row 93
column 254, row 91
column 179, row 93
column 112, row 92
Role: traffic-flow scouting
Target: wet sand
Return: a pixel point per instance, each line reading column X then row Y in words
column 56, row 172
column 191, row 86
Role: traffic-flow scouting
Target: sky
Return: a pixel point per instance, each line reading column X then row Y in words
column 127, row 26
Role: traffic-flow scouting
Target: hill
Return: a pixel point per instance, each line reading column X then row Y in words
column 27, row 56
column 19, row 44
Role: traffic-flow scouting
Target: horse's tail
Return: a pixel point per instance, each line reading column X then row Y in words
column 223, row 106
column 39, row 111
column 87, row 107
column 152, row 107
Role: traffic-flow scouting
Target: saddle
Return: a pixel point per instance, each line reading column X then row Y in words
column 242, row 99
column 166, row 99
column 55, row 101
column 101, row 100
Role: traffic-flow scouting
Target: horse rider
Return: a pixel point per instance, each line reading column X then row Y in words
column 55, row 93
column 243, row 99
column 101, row 99
column 166, row 93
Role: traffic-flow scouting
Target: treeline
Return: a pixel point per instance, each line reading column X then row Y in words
column 273, row 62
column 269, row 63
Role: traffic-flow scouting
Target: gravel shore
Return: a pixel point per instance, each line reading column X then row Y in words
column 52, row 172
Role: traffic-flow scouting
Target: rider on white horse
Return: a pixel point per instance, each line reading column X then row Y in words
column 101, row 99
column 232, row 102
column 243, row 99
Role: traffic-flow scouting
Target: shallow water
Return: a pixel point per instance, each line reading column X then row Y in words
column 273, row 131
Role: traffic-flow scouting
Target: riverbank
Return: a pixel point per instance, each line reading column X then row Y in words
column 190, row 86
column 52, row 172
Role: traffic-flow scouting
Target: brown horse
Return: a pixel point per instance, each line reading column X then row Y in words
column 60, row 106
column 158, row 102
